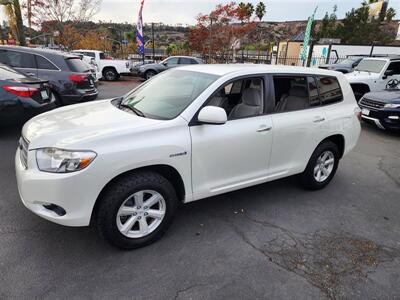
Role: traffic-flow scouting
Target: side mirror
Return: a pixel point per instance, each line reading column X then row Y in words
column 212, row 115
column 388, row 73
column 165, row 64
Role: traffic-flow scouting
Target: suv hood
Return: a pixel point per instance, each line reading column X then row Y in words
column 387, row 96
column 78, row 125
column 361, row 76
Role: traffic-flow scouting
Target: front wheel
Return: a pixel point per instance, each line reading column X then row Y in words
column 136, row 210
column 321, row 167
column 149, row 74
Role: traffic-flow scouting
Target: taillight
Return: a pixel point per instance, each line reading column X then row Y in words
column 21, row 91
column 77, row 78
column 357, row 112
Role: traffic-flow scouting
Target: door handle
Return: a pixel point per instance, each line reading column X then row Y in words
column 264, row 129
column 31, row 74
column 318, row 119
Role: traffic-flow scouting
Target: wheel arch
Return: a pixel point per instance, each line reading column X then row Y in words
column 360, row 87
column 337, row 139
column 167, row 171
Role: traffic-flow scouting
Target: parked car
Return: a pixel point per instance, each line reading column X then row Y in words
column 138, row 64
column 187, row 134
column 69, row 78
column 91, row 64
column 112, row 69
column 22, row 97
column 373, row 74
column 383, row 108
column 345, row 66
column 149, row 70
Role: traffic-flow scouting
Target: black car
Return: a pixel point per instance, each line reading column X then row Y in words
column 69, row 78
column 382, row 108
column 345, row 66
column 22, row 97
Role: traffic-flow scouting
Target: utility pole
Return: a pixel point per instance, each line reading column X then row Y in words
column 152, row 40
column 209, row 48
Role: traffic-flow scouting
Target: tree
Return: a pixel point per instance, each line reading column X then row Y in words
column 328, row 25
column 260, row 10
column 245, row 11
column 14, row 16
column 390, row 14
column 216, row 32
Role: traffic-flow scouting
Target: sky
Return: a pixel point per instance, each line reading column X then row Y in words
column 185, row 11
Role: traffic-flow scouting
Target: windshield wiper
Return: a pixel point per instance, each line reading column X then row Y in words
column 134, row 109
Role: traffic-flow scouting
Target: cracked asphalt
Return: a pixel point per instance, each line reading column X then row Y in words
column 272, row 241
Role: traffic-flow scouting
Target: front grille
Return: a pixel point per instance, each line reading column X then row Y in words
column 371, row 104
column 23, row 147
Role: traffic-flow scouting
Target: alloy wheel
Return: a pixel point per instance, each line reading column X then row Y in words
column 324, row 166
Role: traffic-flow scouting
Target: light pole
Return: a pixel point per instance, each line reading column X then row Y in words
column 121, row 37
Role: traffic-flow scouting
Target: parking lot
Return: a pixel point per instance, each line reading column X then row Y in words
column 275, row 240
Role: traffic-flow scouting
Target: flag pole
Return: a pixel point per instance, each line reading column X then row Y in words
column 139, row 34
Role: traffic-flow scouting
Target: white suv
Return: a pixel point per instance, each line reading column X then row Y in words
column 186, row 134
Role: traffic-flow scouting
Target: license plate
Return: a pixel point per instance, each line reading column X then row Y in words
column 365, row 111
column 44, row 95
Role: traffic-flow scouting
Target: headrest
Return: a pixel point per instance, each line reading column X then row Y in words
column 252, row 97
column 298, row 91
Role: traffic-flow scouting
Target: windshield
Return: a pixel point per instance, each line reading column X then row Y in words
column 348, row 61
column 168, row 94
column 371, row 65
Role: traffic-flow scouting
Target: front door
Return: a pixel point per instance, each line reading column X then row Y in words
column 236, row 154
column 393, row 67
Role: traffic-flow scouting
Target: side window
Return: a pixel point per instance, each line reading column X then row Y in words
column 102, row 55
column 313, row 92
column 172, row 61
column 329, row 90
column 291, row 93
column 242, row 98
column 184, row 61
column 21, row 60
column 395, row 67
column 90, row 54
column 44, row 64
column 194, row 62
column 3, row 57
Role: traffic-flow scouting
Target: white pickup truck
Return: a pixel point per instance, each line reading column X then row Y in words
column 111, row 69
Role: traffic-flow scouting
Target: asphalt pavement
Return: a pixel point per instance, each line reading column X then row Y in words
column 272, row 241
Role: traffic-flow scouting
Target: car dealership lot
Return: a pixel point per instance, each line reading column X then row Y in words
column 268, row 241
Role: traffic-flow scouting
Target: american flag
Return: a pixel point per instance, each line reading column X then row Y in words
column 139, row 27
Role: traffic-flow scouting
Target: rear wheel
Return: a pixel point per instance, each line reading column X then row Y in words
column 321, row 167
column 136, row 210
column 110, row 74
column 149, row 74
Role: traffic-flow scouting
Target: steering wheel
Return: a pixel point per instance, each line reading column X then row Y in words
column 392, row 84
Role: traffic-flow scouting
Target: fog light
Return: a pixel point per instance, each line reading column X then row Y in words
column 394, row 117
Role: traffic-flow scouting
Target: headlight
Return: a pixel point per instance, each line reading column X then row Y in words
column 392, row 105
column 56, row 160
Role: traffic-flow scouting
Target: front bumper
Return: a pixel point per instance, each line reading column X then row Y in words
column 383, row 118
column 76, row 192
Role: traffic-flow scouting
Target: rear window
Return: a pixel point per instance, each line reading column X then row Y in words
column 329, row 90
column 76, row 65
column 7, row 73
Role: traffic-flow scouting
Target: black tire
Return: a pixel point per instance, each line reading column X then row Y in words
column 307, row 178
column 114, row 197
column 149, row 74
column 58, row 101
column 110, row 74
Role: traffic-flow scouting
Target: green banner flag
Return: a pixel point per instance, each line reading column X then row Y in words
column 307, row 36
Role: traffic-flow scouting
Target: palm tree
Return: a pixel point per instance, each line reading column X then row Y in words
column 390, row 14
column 260, row 10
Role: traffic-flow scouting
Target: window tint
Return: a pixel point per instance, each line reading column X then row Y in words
column 76, row 65
column 313, row 91
column 20, row 60
column 329, row 90
column 240, row 99
column 7, row 73
column 395, row 67
column 172, row 61
column 185, row 61
column 44, row 64
column 291, row 93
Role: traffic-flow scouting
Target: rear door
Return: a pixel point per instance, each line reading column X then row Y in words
column 299, row 123
column 46, row 69
column 21, row 61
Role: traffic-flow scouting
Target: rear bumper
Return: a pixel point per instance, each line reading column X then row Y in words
column 80, row 96
column 21, row 110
